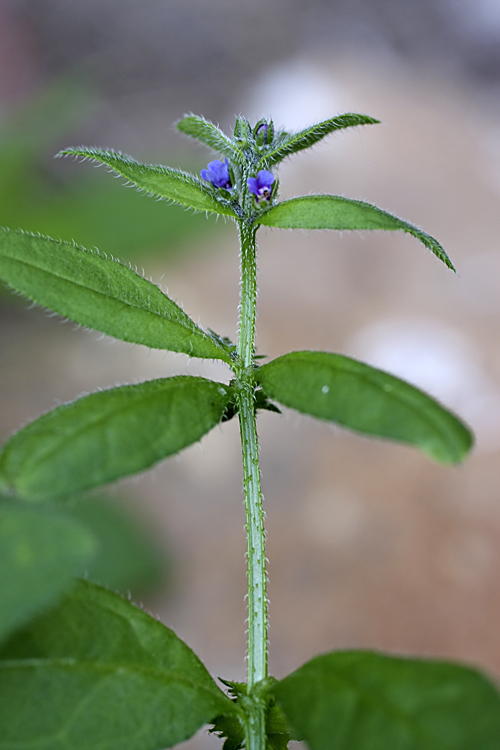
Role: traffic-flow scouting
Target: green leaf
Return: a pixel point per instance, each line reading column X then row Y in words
column 129, row 557
column 40, row 552
column 108, row 435
column 365, row 399
column 162, row 182
column 96, row 672
column 289, row 143
column 367, row 701
column 101, row 293
column 209, row 134
column 335, row 212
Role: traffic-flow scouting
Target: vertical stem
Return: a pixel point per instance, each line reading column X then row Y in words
column 248, row 294
column 256, row 556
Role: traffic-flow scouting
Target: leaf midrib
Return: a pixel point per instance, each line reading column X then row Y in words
column 106, row 668
column 110, row 667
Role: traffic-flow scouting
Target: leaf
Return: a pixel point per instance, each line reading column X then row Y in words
column 335, row 212
column 40, row 552
column 129, row 557
column 102, row 294
column 108, row 435
column 357, row 700
column 163, row 182
column 365, row 399
column 290, row 143
column 96, row 672
column 209, row 134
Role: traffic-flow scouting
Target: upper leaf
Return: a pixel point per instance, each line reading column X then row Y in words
column 365, row 399
column 96, row 672
column 163, row 182
column 40, row 552
column 336, row 212
column 101, row 293
column 289, row 143
column 360, row 700
column 209, row 134
column 108, row 435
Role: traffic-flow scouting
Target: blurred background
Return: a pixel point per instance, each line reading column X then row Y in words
column 370, row 545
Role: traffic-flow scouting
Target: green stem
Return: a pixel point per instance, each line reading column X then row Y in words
column 256, row 556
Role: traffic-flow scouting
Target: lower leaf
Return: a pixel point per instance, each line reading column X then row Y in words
column 358, row 700
column 96, row 672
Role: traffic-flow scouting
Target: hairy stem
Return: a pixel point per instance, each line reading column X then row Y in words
column 256, row 557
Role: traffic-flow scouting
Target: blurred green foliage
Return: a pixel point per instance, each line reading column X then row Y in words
column 94, row 537
column 129, row 557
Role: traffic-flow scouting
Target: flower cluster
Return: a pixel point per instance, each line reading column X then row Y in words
column 218, row 174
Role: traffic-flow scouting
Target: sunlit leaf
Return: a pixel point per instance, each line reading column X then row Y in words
column 365, row 399
column 163, row 182
column 96, row 672
column 40, row 552
column 101, row 293
column 366, row 701
column 336, row 212
column 108, row 435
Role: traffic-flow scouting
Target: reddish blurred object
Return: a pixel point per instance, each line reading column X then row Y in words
column 19, row 64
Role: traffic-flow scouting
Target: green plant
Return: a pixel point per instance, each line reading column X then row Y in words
column 93, row 670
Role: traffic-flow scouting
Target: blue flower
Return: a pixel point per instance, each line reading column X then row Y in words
column 260, row 186
column 217, row 172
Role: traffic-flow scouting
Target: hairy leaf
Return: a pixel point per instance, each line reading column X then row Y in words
column 335, row 212
column 40, row 552
column 367, row 701
column 365, row 399
column 108, row 435
column 101, row 293
column 290, row 143
column 96, row 672
column 209, row 134
column 162, row 182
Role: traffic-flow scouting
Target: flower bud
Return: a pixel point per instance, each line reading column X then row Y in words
column 263, row 133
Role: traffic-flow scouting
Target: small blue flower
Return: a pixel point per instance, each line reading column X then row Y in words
column 217, row 172
column 260, row 186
